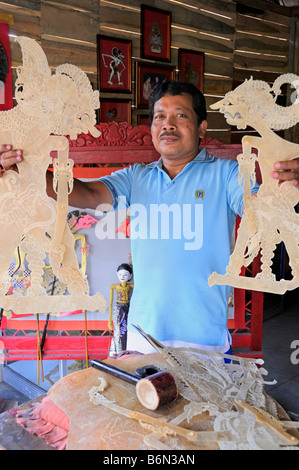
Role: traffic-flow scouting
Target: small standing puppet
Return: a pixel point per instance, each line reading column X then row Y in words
column 121, row 310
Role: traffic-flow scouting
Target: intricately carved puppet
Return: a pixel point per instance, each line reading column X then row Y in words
column 49, row 107
column 270, row 218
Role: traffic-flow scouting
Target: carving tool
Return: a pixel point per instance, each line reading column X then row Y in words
column 152, row 390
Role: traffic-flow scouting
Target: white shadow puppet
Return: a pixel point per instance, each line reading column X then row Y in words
column 116, row 65
column 270, row 218
column 49, row 107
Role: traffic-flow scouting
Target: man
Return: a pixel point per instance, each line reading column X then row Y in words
column 172, row 259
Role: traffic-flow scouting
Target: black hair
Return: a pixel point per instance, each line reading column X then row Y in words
column 125, row 266
column 179, row 88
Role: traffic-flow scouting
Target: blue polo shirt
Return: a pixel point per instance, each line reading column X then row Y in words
column 180, row 233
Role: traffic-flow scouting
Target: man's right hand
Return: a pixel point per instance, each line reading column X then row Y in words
column 9, row 157
column 85, row 194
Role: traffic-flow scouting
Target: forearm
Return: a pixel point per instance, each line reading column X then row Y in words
column 84, row 194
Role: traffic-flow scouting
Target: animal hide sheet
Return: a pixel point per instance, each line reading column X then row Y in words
column 222, row 405
column 49, row 108
column 269, row 218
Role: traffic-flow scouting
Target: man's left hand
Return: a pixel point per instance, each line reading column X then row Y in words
column 287, row 171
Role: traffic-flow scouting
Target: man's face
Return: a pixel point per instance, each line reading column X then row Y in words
column 175, row 131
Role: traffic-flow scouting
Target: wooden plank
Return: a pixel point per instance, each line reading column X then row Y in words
column 218, row 66
column 58, row 343
column 241, row 75
column 88, row 6
column 217, row 84
column 254, row 24
column 59, row 53
column 202, row 21
column 71, row 24
column 56, row 324
column 124, row 5
column 26, row 25
column 195, row 41
column 113, row 16
column 224, row 7
column 14, row 5
column 250, row 62
column 266, row 45
column 218, row 10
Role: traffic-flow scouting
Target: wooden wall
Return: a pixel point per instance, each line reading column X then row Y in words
column 238, row 40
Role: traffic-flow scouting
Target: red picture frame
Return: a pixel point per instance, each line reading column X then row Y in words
column 155, row 34
column 6, row 86
column 114, row 64
column 148, row 76
column 115, row 110
column 143, row 120
column 191, row 67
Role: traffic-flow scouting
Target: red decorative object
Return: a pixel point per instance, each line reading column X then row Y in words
column 113, row 110
column 125, row 228
column 143, row 120
column 6, row 94
column 59, row 344
column 147, row 77
column 191, row 67
column 155, row 34
column 114, row 64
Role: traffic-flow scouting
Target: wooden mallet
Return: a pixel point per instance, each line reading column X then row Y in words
column 154, row 388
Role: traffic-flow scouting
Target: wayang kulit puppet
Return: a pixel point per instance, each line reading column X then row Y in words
column 49, row 108
column 269, row 218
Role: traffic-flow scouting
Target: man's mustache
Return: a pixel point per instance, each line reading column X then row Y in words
column 169, row 134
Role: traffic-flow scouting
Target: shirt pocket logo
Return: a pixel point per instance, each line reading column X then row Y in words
column 199, row 194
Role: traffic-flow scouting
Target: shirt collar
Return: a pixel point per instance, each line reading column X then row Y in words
column 202, row 156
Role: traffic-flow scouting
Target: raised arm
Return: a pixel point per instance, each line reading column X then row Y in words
column 84, row 195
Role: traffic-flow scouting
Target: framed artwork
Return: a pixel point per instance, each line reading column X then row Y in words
column 191, row 67
column 114, row 64
column 114, row 110
column 143, row 120
column 155, row 34
column 147, row 77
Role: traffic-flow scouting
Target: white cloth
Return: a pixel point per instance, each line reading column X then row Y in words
column 136, row 342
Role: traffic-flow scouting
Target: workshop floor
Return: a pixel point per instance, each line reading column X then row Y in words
column 280, row 329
